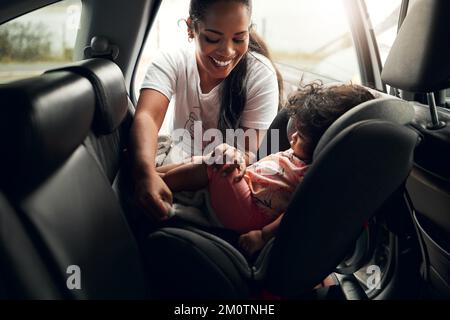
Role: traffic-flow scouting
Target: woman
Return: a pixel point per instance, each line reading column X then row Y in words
column 227, row 83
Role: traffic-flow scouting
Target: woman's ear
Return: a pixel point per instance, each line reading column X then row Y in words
column 190, row 28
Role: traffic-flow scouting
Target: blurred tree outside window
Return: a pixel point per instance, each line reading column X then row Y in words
column 38, row 40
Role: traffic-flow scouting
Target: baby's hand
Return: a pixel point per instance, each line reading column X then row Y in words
column 252, row 242
column 226, row 159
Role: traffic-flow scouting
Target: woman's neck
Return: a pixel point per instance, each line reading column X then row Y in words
column 206, row 82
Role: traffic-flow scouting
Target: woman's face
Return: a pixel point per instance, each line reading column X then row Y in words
column 222, row 39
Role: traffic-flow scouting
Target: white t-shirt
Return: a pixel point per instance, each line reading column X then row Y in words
column 175, row 75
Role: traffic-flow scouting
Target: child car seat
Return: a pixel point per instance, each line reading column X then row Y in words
column 359, row 162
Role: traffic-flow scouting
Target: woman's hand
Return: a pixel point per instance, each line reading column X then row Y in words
column 226, row 159
column 252, row 242
column 153, row 196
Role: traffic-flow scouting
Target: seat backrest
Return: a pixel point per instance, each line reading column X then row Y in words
column 23, row 272
column 60, row 190
column 351, row 177
column 113, row 112
column 417, row 62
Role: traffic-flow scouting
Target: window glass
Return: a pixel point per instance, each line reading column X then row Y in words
column 384, row 16
column 39, row 40
column 308, row 39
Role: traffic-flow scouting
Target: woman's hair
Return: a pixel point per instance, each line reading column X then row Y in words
column 234, row 89
column 314, row 107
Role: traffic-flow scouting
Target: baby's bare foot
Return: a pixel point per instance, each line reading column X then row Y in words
column 252, row 242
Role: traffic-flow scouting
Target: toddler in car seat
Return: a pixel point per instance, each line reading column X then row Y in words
column 254, row 205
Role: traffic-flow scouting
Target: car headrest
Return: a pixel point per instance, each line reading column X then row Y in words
column 418, row 59
column 385, row 108
column 111, row 93
column 42, row 121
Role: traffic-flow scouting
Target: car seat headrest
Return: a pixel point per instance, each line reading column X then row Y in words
column 290, row 128
column 43, row 120
column 418, row 58
column 111, row 93
column 389, row 109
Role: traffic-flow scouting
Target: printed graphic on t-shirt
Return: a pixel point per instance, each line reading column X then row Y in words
column 189, row 125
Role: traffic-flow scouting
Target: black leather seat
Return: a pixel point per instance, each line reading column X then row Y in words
column 61, row 191
column 418, row 63
column 113, row 112
column 359, row 162
column 23, row 271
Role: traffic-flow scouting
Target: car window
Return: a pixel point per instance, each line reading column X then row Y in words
column 307, row 39
column 168, row 32
column 384, row 16
column 39, row 40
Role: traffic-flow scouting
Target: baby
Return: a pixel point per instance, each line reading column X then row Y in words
column 254, row 205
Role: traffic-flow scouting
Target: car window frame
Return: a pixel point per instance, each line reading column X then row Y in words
column 151, row 19
column 365, row 44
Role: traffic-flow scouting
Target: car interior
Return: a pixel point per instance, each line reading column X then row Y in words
column 373, row 212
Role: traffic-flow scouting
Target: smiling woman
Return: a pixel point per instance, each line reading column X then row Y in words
column 226, row 81
column 222, row 41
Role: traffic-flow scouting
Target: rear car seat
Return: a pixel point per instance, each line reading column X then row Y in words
column 23, row 271
column 61, row 191
column 107, row 141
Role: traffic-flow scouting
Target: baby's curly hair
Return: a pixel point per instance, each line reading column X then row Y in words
column 314, row 107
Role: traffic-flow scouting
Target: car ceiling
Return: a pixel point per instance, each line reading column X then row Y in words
column 10, row 9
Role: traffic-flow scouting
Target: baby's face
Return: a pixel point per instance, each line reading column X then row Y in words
column 297, row 145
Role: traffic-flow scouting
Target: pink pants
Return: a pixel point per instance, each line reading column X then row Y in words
column 233, row 203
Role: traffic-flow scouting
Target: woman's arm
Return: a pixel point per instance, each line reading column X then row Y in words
column 150, row 112
column 151, row 192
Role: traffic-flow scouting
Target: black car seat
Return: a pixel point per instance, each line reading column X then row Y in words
column 418, row 63
column 60, row 192
column 113, row 112
column 23, row 272
column 359, row 162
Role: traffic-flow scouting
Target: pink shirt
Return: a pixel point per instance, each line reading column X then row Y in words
column 273, row 180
